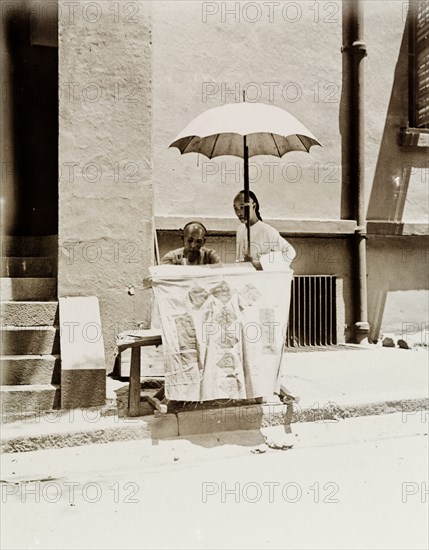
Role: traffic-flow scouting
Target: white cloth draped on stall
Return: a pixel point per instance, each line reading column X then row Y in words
column 223, row 330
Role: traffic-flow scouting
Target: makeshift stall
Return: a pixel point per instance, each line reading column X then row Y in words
column 223, row 330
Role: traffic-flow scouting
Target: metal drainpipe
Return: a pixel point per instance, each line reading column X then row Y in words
column 355, row 50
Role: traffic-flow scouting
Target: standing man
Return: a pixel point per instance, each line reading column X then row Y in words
column 193, row 252
column 263, row 237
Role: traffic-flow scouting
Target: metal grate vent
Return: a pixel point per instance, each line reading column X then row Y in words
column 313, row 311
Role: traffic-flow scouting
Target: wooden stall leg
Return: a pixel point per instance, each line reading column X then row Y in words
column 134, row 387
column 288, row 418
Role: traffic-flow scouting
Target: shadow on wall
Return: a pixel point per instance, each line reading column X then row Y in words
column 30, row 109
column 397, row 284
column 397, row 265
column 395, row 163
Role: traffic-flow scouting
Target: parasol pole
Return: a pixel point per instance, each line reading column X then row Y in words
column 246, row 187
column 246, row 193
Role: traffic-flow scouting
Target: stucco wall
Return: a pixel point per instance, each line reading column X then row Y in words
column 206, row 53
column 105, row 188
column 202, row 61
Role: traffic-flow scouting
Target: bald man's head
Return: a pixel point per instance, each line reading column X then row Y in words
column 194, row 236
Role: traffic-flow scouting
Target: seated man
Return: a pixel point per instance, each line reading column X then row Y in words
column 193, row 252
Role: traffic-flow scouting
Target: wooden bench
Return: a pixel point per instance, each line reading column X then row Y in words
column 136, row 340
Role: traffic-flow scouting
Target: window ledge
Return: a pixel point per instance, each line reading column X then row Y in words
column 397, row 228
column 228, row 226
column 414, row 137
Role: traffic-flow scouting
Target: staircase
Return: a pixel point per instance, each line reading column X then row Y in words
column 29, row 332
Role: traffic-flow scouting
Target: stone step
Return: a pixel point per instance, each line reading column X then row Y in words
column 30, row 340
column 29, row 314
column 29, row 369
column 16, row 266
column 30, row 246
column 28, row 288
column 24, row 398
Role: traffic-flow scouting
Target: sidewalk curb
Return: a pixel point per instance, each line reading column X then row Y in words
column 44, row 434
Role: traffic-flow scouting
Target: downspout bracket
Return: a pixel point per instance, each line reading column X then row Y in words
column 357, row 47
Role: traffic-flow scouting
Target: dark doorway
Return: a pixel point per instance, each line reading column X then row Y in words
column 30, row 137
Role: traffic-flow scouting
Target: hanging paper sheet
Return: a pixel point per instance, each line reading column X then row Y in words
column 223, row 331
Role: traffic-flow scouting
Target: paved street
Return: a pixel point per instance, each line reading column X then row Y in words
column 359, row 483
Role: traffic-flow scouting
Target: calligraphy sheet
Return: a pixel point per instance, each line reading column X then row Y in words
column 223, row 332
